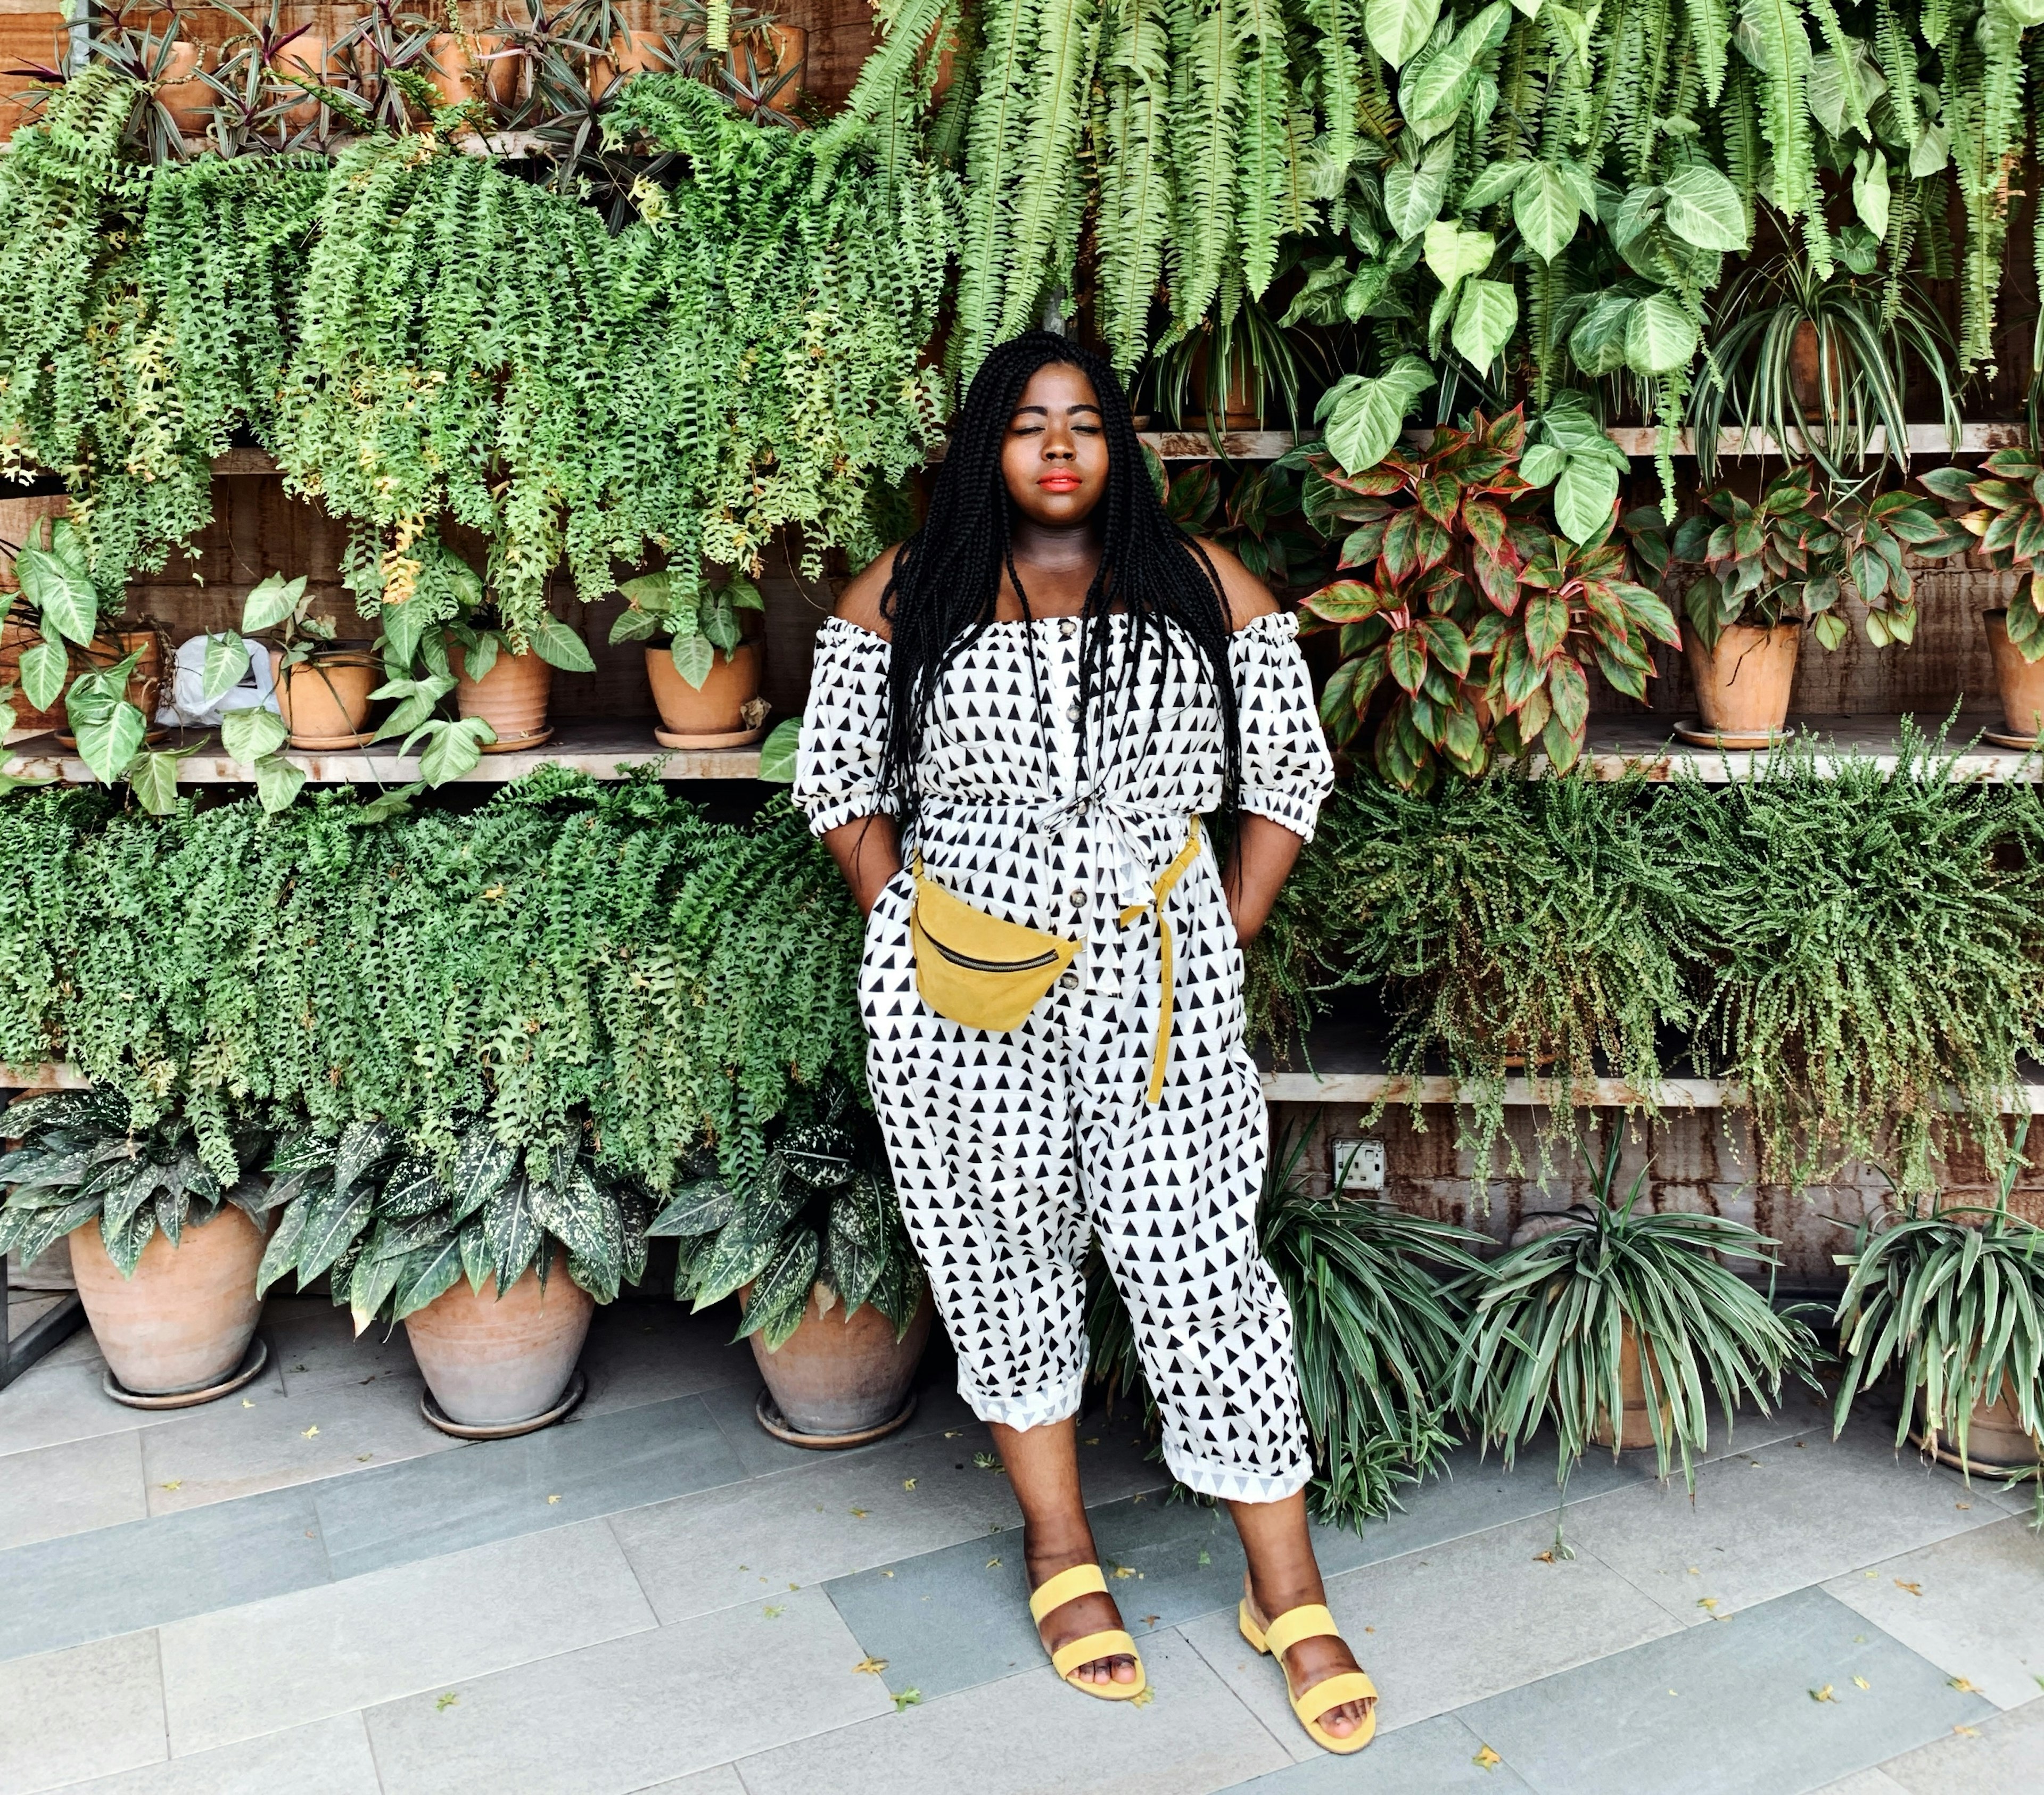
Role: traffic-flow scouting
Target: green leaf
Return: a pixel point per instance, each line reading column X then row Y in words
column 778, row 753
column 1660, row 336
column 1870, row 190
column 226, row 667
column 480, row 655
column 453, row 749
column 1415, row 192
column 1435, row 87
column 336, row 1221
column 786, row 1282
column 1545, row 210
column 56, row 581
column 153, row 778
column 633, row 625
column 1364, row 416
column 45, row 666
column 719, row 623
column 699, row 1208
column 277, row 781
column 737, row 1256
column 108, row 734
column 1485, row 320
column 363, row 1145
column 1597, row 344
column 374, row 1278
column 483, row 1166
column 1453, row 252
column 1702, row 208
column 1493, row 184
column 559, row 646
column 1397, row 29
column 270, row 603
column 514, row 1233
column 250, row 735
column 427, row 1276
column 1584, row 496
column 694, row 656
column 1547, row 615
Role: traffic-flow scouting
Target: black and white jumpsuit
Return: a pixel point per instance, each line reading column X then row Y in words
column 1008, row 1148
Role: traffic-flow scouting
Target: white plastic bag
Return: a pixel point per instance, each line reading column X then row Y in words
column 184, row 705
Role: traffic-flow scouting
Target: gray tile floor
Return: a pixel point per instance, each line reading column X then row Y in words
column 304, row 1590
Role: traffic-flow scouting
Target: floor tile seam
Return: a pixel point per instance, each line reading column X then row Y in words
column 1220, row 1676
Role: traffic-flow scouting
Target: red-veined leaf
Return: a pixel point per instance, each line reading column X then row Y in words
column 1547, row 624
column 1406, row 657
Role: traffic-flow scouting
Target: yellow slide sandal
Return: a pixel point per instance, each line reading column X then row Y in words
column 1313, row 1622
column 1068, row 1585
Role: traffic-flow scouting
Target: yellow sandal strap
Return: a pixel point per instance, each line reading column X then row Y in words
column 1115, row 1643
column 1067, row 1586
column 1323, row 1698
column 1311, row 1622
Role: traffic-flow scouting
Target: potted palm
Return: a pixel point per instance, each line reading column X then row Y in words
column 1612, row 1325
column 1950, row 1297
column 2005, row 511
column 404, row 1236
column 706, row 679
column 834, row 1301
column 165, row 1240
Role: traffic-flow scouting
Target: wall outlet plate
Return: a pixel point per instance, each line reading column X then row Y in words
column 1359, row 1165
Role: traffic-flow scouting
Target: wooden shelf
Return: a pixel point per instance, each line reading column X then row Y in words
column 603, row 751
column 1619, row 744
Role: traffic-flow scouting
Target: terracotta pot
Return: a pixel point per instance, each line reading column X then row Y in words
column 24, row 520
column 1240, row 411
column 304, row 57
column 840, row 1374
column 772, row 51
column 941, row 83
column 451, row 74
column 719, row 708
column 187, row 99
column 145, row 683
column 325, row 700
column 185, row 1319
column 631, row 52
column 493, row 1362
column 1806, row 375
column 511, row 697
column 1635, row 1421
column 500, row 72
column 2021, row 682
column 1742, row 684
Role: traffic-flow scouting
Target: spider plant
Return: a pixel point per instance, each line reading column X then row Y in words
column 1239, row 354
column 1952, row 1296
column 1558, row 1318
column 1378, row 1300
column 1817, row 363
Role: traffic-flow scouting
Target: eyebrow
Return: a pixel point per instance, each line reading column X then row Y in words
column 1084, row 405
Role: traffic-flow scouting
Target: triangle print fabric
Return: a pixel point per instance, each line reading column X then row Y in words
column 1008, row 1148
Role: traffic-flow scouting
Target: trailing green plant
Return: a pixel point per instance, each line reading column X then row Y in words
column 808, row 1206
column 2006, row 515
column 1950, row 1297
column 1878, row 967
column 84, row 1157
column 1504, row 922
column 697, row 623
column 1377, row 1298
column 392, row 1228
column 1555, row 1320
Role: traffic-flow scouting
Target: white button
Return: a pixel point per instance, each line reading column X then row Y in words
column 1071, row 981
column 1072, row 713
column 1066, row 629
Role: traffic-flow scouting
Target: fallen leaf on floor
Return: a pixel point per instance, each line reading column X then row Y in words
column 1914, row 1589
column 858, row 1514
column 1094, row 1441
column 1962, row 1505
column 772, row 1611
column 794, row 1585
column 363, row 1458
column 1862, row 1682
column 551, row 1500
column 1369, row 1629
column 987, row 1461
column 1206, row 1557
column 1824, row 1694
column 1143, row 1700
column 1694, row 1571
column 1963, row 1685
column 1967, row 1732
column 312, row 1433
column 908, row 1698
column 1122, row 1570
column 871, row 1667
column 908, row 1483
column 887, row 1574
column 1135, row 1499
column 246, row 1403
column 1869, row 1575
column 993, row 1564
column 1707, row 1602
column 1151, row 1620
column 1486, row 1758
column 175, row 1483
column 1546, row 1557
column 445, row 1702
column 953, row 1432
column 1671, row 1692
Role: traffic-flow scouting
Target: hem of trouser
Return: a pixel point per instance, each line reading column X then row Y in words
column 1227, row 1483
column 1037, row 1409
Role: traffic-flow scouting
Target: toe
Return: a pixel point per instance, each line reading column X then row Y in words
column 1124, row 1669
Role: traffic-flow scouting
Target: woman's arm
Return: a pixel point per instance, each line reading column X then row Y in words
column 868, row 852
column 1257, row 869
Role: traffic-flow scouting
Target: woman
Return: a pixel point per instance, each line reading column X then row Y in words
column 1040, row 692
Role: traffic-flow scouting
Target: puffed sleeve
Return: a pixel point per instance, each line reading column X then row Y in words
column 1286, row 770
column 837, row 770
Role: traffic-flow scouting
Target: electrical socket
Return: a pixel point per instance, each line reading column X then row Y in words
column 1359, row 1165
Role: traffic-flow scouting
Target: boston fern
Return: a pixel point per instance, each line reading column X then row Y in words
column 393, row 1228
column 83, row 1158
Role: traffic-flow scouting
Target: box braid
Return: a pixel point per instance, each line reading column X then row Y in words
column 941, row 592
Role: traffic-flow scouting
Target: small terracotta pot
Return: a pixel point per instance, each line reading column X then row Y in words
column 494, row 1362
column 1240, row 411
column 452, row 74
column 304, row 57
column 183, row 1321
column 511, row 697
column 719, row 708
column 187, row 99
column 1742, row 684
column 1806, row 374
column 776, row 50
column 839, row 1374
column 1635, row 1421
column 2021, row 682
column 325, row 701
column 1995, row 1438
column 941, row 83
column 631, row 52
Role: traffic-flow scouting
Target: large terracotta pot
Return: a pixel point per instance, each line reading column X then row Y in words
column 1239, row 410
column 1635, row 1419
column 511, row 697
column 719, row 708
column 774, row 50
column 494, row 1362
column 2021, row 682
column 325, row 701
column 1995, row 1438
column 184, row 1320
column 839, row 1374
column 187, row 99
column 304, row 58
column 1742, row 684
column 452, row 74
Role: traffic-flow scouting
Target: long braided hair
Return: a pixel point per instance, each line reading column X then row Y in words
column 941, row 592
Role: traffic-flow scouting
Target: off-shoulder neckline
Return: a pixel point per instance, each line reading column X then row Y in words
column 1260, row 619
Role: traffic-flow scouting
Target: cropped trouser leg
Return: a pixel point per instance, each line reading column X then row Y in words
column 1009, row 1149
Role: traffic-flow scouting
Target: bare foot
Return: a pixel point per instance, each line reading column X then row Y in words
column 1082, row 1615
column 1313, row 1660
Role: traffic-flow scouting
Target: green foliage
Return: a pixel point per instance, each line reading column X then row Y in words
column 2005, row 513
column 1555, row 1320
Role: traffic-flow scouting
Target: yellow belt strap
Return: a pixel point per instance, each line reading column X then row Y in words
column 1165, row 879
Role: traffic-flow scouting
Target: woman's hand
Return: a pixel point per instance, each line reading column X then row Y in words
column 1256, row 871
column 868, row 852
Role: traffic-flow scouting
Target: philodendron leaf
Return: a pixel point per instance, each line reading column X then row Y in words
column 1660, row 336
column 1363, row 417
column 1702, row 208
column 56, row 581
column 278, row 782
column 1870, row 190
column 1494, row 184
column 45, row 665
column 633, row 625
column 153, row 778
column 108, row 734
column 1453, row 252
column 226, row 667
column 1584, row 495
column 777, row 752
column 452, row 749
column 693, row 657
column 1414, row 193
column 1484, row 321
column 270, row 603
column 250, row 735
column 559, row 646
column 1597, row 344
column 1397, row 29
column 1544, row 208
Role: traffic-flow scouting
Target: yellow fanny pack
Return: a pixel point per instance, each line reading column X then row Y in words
column 983, row 973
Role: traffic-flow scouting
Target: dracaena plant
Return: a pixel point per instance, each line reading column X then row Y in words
column 2005, row 513
column 698, row 624
column 1799, row 553
column 392, row 1226
column 84, row 1158
column 812, row 1208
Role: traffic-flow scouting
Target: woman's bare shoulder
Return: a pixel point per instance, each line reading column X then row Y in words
column 859, row 602
column 1247, row 597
